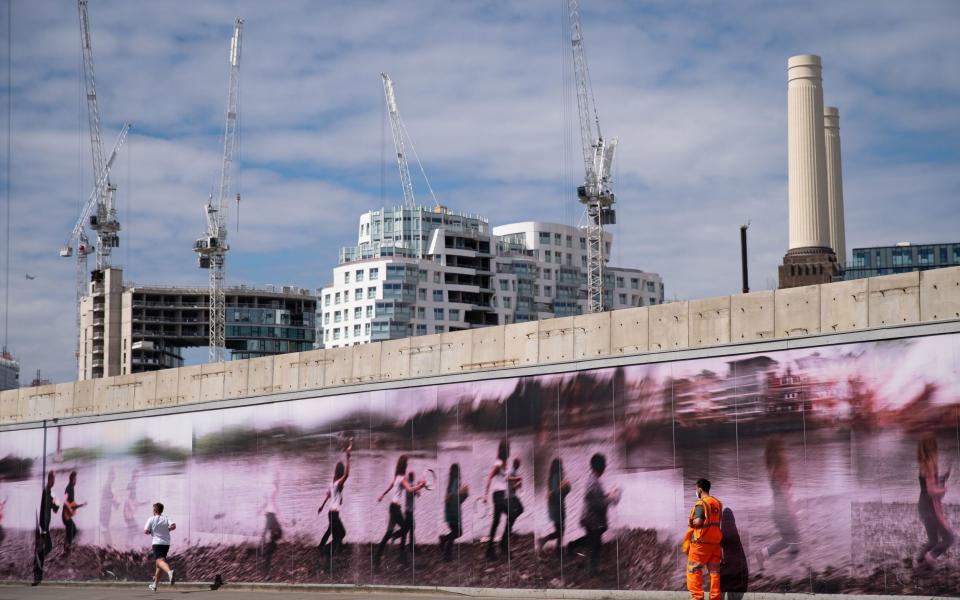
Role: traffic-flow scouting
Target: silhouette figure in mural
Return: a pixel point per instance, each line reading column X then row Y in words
column 784, row 511
column 272, row 530
column 398, row 486
column 335, row 528
column 453, row 500
column 557, row 489
column 596, row 502
column 108, row 502
column 933, row 486
column 70, row 508
column 497, row 481
column 734, row 571
column 43, row 542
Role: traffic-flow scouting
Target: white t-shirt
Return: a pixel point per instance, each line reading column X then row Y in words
column 336, row 497
column 398, row 490
column 159, row 527
column 499, row 483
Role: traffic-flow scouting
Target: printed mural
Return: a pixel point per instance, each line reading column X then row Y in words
column 836, row 467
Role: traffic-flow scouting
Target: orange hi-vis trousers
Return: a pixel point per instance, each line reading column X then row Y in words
column 703, row 555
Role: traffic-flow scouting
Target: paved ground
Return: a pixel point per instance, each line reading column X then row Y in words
column 52, row 592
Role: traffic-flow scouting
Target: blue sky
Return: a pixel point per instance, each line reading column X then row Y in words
column 695, row 91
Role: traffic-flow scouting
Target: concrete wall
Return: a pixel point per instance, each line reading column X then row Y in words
column 844, row 306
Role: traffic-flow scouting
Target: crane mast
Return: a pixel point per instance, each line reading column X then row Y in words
column 212, row 248
column 595, row 193
column 396, row 128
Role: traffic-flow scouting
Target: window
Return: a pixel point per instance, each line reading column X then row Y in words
column 336, row 317
column 557, row 239
column 651, row 286
column 371, row 293
column 438, row 295
column 369, row 311
column 504, row 285
column 421, row 312
column 583, row 260
column 358, row 276
column 547, row 290
column 623, row 298
column 366, row 329
column 421, row 330
column 326, row 297
column 421, row 294
column 438, row 314
column 357, row 313
column 544, row 238
column 374, row 274
column 436, row 276
column 569, row 241
column 454, row 314
column 423, row 275
column 634, row 283
column 558, row 257
column 547, row 274
column 536, row 290
column 358, row 294
column 925, row 256
column 507, row 303
column 346, row 277
column 620, row 282
column 569, row 260
column 356, row 331
column 326, row 318
column 336, row 333
column 438, row 328
column 336, row 298
column 583, row 243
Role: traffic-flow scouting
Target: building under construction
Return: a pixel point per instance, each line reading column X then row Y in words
column 130, row 328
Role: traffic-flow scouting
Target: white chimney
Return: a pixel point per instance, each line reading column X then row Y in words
column 806, row 154
column 838, row 236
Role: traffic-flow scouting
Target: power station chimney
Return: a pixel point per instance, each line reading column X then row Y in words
column 838, row 236
column 810, row 258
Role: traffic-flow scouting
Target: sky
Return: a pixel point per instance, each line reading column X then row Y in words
column 695, row 92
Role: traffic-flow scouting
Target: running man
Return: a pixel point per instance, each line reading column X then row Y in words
column 408, row 508
column 557, row 488
column 497, row 480
column 70, row 507
column 335, row 528
column 44, row 544
column 705, row 538
column 160, row 527
column 596, row 501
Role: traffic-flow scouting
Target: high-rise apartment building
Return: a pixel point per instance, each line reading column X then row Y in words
column 423, row 271
column 9, row 371
column 901, row 258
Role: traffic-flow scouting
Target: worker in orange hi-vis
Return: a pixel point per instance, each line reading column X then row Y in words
column 704, row 543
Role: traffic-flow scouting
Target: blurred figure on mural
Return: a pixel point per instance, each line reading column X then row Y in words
column 43, row 543
column 70, row 508
column 497, row 481
column 596, row 502
column 108, row 502
column 453, row 500
column 705, row 537
column 933, row 486
column 784, row 511
column 514, row 483
column 272, row 531
column 131, row 506
column 410, row 499
column 557, row 489
column 396, row 524
column 335, row 528
column 159, row 527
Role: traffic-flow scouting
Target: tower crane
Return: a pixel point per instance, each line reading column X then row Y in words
column 212, row 248
column 396, row 128
column 595, row 193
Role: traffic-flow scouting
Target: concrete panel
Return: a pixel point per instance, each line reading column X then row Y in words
column 455, row 352
column 486, row 348
column 894, row 299
column 286, row 372
column 102, row 395
column 669, row 326
column 395, row 359
column 425, row 355
column 212, row 379
column 521, row 343
column 235, row 379
column 556, row 340
column 366, row 363
column 120, row 393
column 146, row 392
column 629, row 330
column 591, row 335
column 9, row 406
column 796, row 311
column 311, row 369
column 167, row 382
column 63, row 402
column 260, row 375
column 843, row 305
column 188, row 388
column 751, row 316
column 710, row 321
column 36, row 403
column 84, row 402
column 940, row 294
column 339, row 367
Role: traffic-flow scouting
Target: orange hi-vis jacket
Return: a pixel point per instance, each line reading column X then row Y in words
column 709, row 532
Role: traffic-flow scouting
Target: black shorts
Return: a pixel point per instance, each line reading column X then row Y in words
column 160, row 550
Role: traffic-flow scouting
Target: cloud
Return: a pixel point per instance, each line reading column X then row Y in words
column 695, row 93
